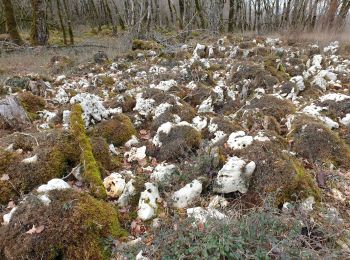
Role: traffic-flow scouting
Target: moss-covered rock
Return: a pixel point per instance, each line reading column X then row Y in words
column 76, row 226
column 31, row 104
column 59, row 64
column 138, row 44
column 56, row 157
column 278, row 173
column 272, row 106
column 102, row 155
column 117, row 130
column 180, row 141
column 276, row 69
column 317, row 143
column 18, row 82
column 91, row 174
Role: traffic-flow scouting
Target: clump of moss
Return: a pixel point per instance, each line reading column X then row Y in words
column 272, row 106
column 275, row 69
column 24, row 142
column 31, row 104
column 302, row 185
column 105, row 80
column 76, row 226
column 18, row 82
column 180, row 141
column 58, row 64
column 277, row 172
column 102, row 155
column 138, row 44
column 56, row 157
column 316, row 142
column 91, row 173
column 116, row 131
column 6, row 190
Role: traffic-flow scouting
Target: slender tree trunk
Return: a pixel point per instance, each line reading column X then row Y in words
column 200, row 14
column 68, row 15
column 182, row 11
column 344, row 10
column 61, row 22
column 231, row 16
column 171, row 11
column 332, row 11
column 11, row 22
column 39, row 31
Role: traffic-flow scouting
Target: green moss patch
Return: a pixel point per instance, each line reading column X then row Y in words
column 76, row 226
column 91, row 173
column 317, row 143
column 116, row 131
column 31, row 104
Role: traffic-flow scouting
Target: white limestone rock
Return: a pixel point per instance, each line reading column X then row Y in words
column 239, row 140
column 114, row 185
column 7, row 217
column 234, row 176
column 136, row 154
column 202, row 215
column 148, row 202
column 54, row 184
column 128, row 192
column 187, row 195
column 162, row 173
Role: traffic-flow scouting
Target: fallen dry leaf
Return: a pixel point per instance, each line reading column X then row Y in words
column 35, row 230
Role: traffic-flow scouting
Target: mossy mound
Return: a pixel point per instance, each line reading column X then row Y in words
column 56, row 157
column 276, row 69
column 117, row 130
column 102, row 155
column 179, row 142
column 317, row 143
column 278, row 172
column 272, row 106
column 127, row 103
column 76, row 226
column 18, row 82
column 58, row 64
column 335, row 109
column 91, row 174
column 31, row 104
column 295, row 66
column 138, row 44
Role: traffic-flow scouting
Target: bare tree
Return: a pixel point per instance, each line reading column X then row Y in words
column 11, row 22
column 39, row 32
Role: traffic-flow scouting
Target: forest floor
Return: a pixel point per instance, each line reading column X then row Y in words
column 230, row 147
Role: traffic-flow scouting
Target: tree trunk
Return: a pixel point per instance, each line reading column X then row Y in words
column 39, row 31
column 182, row 11
column 332, row 11
column 200, row 13
column 61, row 22
column 231, row 16
column 11, row 22
column 70, row 30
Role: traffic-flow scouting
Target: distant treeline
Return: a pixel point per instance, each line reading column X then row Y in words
column 144, row 16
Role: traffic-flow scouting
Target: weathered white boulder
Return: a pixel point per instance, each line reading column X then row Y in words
column 187, row 195
column 202, row 215
column 234, row 176
column 148, row 202
column 114, row 184
column 128, row 192
column 239, row 140
column 162, row 173
column 54, row 184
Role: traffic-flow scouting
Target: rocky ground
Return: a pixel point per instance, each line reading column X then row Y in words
column 230, row 148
